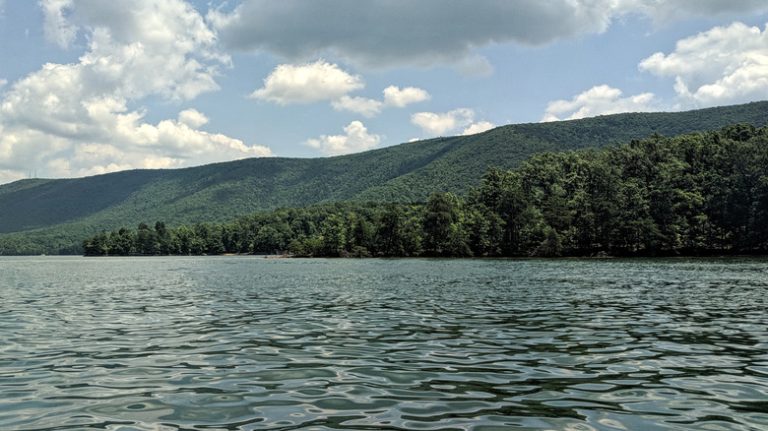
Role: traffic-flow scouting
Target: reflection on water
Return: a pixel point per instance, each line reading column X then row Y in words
column 252, row 344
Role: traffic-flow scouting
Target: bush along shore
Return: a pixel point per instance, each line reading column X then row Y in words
column 697, row 194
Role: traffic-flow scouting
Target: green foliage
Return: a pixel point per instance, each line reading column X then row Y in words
column 51, row 216
column 703, row 193
column 444, row 228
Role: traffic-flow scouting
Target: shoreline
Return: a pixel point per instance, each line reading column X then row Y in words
column 511, row 258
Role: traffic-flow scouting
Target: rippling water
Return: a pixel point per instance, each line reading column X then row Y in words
column 252, row 344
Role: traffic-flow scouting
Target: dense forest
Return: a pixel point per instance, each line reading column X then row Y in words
column 703, row 193
column 52, row 216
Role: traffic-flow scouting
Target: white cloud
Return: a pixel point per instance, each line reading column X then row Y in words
column 400, row 98
column 112, row 138
column 77, row 119
column 437, row 124
column 599, row 100
column 145, row 47
column 192, row 118
column 57, row 28
column 174, row 23
column 307, row 83
column 186, row 142
column 3, row 83
column 355, row 139
column 479, row 127
column 425, row 32
column 719, row 66
column 359, row 105
column 393, row 97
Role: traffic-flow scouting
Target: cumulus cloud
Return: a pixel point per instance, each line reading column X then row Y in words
column 435, row 124
column 723, row 65
column 599, row 100
column 141, row 48
column 393, row 97
column 76, row 119
column 57, row 28
column 163, row 145
column 395, row 32
column 479, row 127
column 306, row 83
column 355, row 139
column 360, row 105
column 400, row 98
column 192, row 118
column 290, row 84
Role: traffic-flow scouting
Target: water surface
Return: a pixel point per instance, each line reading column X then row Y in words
column 245, row 343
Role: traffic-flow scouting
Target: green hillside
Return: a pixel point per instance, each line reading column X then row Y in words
column 53, row 215
column 698, row 194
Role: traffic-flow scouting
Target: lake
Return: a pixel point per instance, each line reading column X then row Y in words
column 247, row 343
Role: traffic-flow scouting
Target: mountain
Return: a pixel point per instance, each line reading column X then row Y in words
column 44, row 215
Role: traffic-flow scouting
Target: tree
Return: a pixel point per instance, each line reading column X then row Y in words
column 550, row 246
column 333, row 232
column 268, row 240
column 444, row 232
column 146, row 240
column 163, row 237
column 389, row 241
column 97, row 245
column 121, row 243
column 694, row 194
column 362, row 235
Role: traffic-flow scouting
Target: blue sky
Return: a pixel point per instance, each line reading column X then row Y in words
column 88, row 87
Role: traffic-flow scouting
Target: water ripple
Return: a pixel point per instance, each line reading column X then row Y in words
column 265, row 344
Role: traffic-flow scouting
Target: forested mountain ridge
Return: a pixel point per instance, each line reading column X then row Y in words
column 696, row 194
column 53, row 215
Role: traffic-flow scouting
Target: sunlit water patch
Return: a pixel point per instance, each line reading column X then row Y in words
column 273, row 344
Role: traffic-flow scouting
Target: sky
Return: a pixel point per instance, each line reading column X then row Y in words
column 89, row 87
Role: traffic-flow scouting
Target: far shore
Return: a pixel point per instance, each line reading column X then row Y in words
column 289, row 256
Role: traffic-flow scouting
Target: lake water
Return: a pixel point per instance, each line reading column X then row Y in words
column 233, row 343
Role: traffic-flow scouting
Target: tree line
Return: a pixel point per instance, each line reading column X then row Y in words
column 697, row 194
